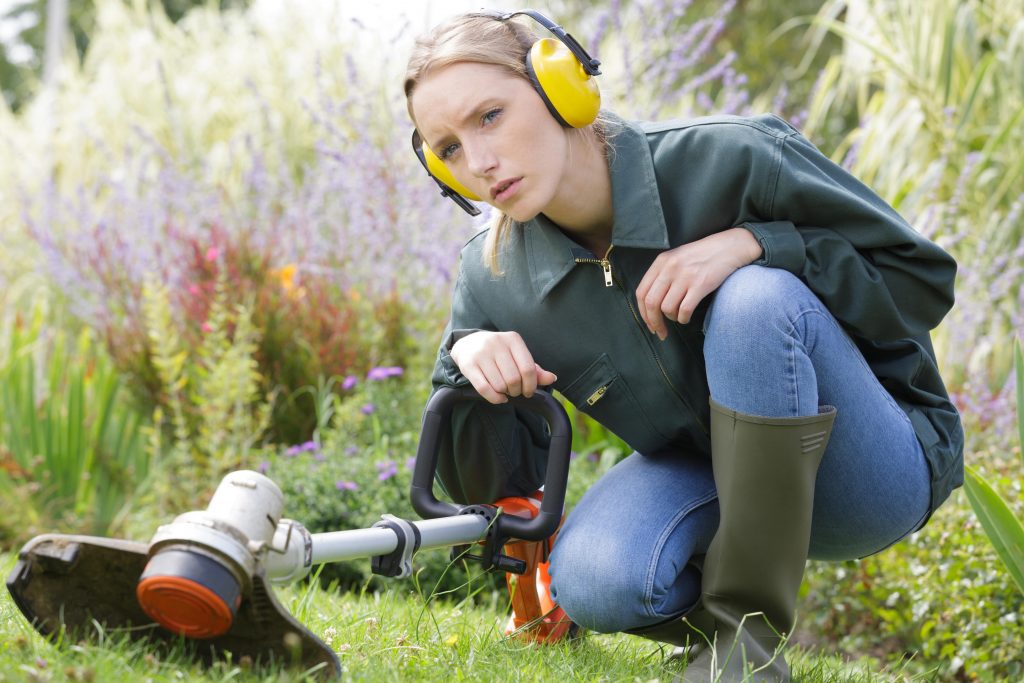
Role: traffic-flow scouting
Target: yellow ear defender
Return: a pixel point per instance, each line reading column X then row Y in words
column 441, row 172
column 562, row 74
column 568, row 90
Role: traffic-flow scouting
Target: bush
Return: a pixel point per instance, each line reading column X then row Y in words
column 303, row 203
column 939, row 597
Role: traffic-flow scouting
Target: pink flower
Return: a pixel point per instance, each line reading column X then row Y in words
column 194, row 290
column 212, row 253
column 206, row 327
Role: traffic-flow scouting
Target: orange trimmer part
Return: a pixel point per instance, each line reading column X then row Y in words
column 189, row 593
column 535, row 616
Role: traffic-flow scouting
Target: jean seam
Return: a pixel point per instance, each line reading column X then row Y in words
column 794, row 338
column 659, row 546
column 863, row 363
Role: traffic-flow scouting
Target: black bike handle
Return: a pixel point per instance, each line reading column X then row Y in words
column 436, row 417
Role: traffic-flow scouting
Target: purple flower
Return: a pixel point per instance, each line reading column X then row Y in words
column 351, row 450
column 302, row 448
column 381, row 373
column 410, row 464
column 386, row 470
column 264, row 466
column 368, row 408
column 349, row 383
column 346, row 485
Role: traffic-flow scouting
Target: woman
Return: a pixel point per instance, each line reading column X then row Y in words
column 746, row 315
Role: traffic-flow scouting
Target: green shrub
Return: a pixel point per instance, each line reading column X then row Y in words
column 939, row 597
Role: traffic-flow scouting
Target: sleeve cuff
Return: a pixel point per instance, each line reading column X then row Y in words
column 450, row 374
column 781, row 243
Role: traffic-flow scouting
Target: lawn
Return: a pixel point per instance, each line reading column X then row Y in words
column 394, row 635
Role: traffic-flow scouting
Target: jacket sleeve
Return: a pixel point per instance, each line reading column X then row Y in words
column 491, row 451
column 877, row 275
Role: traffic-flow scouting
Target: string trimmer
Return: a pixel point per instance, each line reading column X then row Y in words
column 207, row 575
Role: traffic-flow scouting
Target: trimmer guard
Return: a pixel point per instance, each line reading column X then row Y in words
column 75, row 580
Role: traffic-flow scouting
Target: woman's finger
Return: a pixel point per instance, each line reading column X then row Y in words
column 651, row 304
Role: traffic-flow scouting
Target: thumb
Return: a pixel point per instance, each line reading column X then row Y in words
column 544, row 377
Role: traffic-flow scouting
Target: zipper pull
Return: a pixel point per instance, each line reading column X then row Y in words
column 596, row 396
column 607, row 266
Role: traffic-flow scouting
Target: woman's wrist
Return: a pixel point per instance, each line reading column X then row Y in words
column 749, row 247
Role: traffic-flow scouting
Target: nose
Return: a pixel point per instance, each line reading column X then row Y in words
column 480, row 157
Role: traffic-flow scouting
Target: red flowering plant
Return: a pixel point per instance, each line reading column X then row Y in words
column 332, row 276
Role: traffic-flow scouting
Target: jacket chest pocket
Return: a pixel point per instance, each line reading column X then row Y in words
column 604, row 395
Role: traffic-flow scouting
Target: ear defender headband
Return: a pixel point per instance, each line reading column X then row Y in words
column 562, row 74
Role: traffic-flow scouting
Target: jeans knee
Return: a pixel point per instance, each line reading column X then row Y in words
column 752, row 299
column 754, row 307
column 597, row 593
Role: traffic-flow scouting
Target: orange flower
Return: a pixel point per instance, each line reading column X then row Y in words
column 286, row 276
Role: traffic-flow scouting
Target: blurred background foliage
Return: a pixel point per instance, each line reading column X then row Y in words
column 218, row 250
column 21, row 64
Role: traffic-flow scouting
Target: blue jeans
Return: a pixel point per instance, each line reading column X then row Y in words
column 772, row 349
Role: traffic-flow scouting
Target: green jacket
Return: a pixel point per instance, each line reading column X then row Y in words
column 674, row 183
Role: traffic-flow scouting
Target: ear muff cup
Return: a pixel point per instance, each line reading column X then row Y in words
column 441, row 172
column 570, row 93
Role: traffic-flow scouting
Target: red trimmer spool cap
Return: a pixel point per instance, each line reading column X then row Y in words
column 189, row 593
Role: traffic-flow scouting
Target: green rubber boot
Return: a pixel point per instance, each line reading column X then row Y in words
column 764, row 471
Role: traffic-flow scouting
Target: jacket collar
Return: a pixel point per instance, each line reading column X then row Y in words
column 638, row 221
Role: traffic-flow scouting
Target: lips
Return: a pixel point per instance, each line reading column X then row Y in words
column 504, row 189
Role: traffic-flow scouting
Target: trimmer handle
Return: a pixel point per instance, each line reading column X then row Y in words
column 436, row 417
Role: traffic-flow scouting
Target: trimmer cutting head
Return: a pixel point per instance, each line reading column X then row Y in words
column 80, row 581
column 189, row 592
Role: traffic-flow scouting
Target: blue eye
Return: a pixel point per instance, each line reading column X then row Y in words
column 448, row 151
column 490, row 116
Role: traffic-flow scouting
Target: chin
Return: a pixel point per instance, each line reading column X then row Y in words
column 520, row 216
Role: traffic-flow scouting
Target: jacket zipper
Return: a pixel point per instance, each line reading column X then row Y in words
column 610, row 281
column 596, row 396
column 606, row 265
column 657, row 360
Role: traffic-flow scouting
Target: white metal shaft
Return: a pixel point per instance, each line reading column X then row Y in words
column 335, row 546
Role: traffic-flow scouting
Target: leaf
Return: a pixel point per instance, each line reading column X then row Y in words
column 1002, row 528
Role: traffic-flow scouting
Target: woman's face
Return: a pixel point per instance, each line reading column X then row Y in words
column 494, row 133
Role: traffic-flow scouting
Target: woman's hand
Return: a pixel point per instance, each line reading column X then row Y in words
column 499, row 365
column 680, row 278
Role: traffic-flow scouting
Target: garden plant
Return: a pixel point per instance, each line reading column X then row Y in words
column 220, row 254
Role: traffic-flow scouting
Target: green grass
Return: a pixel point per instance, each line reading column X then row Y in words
column 390, row 636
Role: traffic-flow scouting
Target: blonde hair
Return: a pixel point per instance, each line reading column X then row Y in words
column 483, row 39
